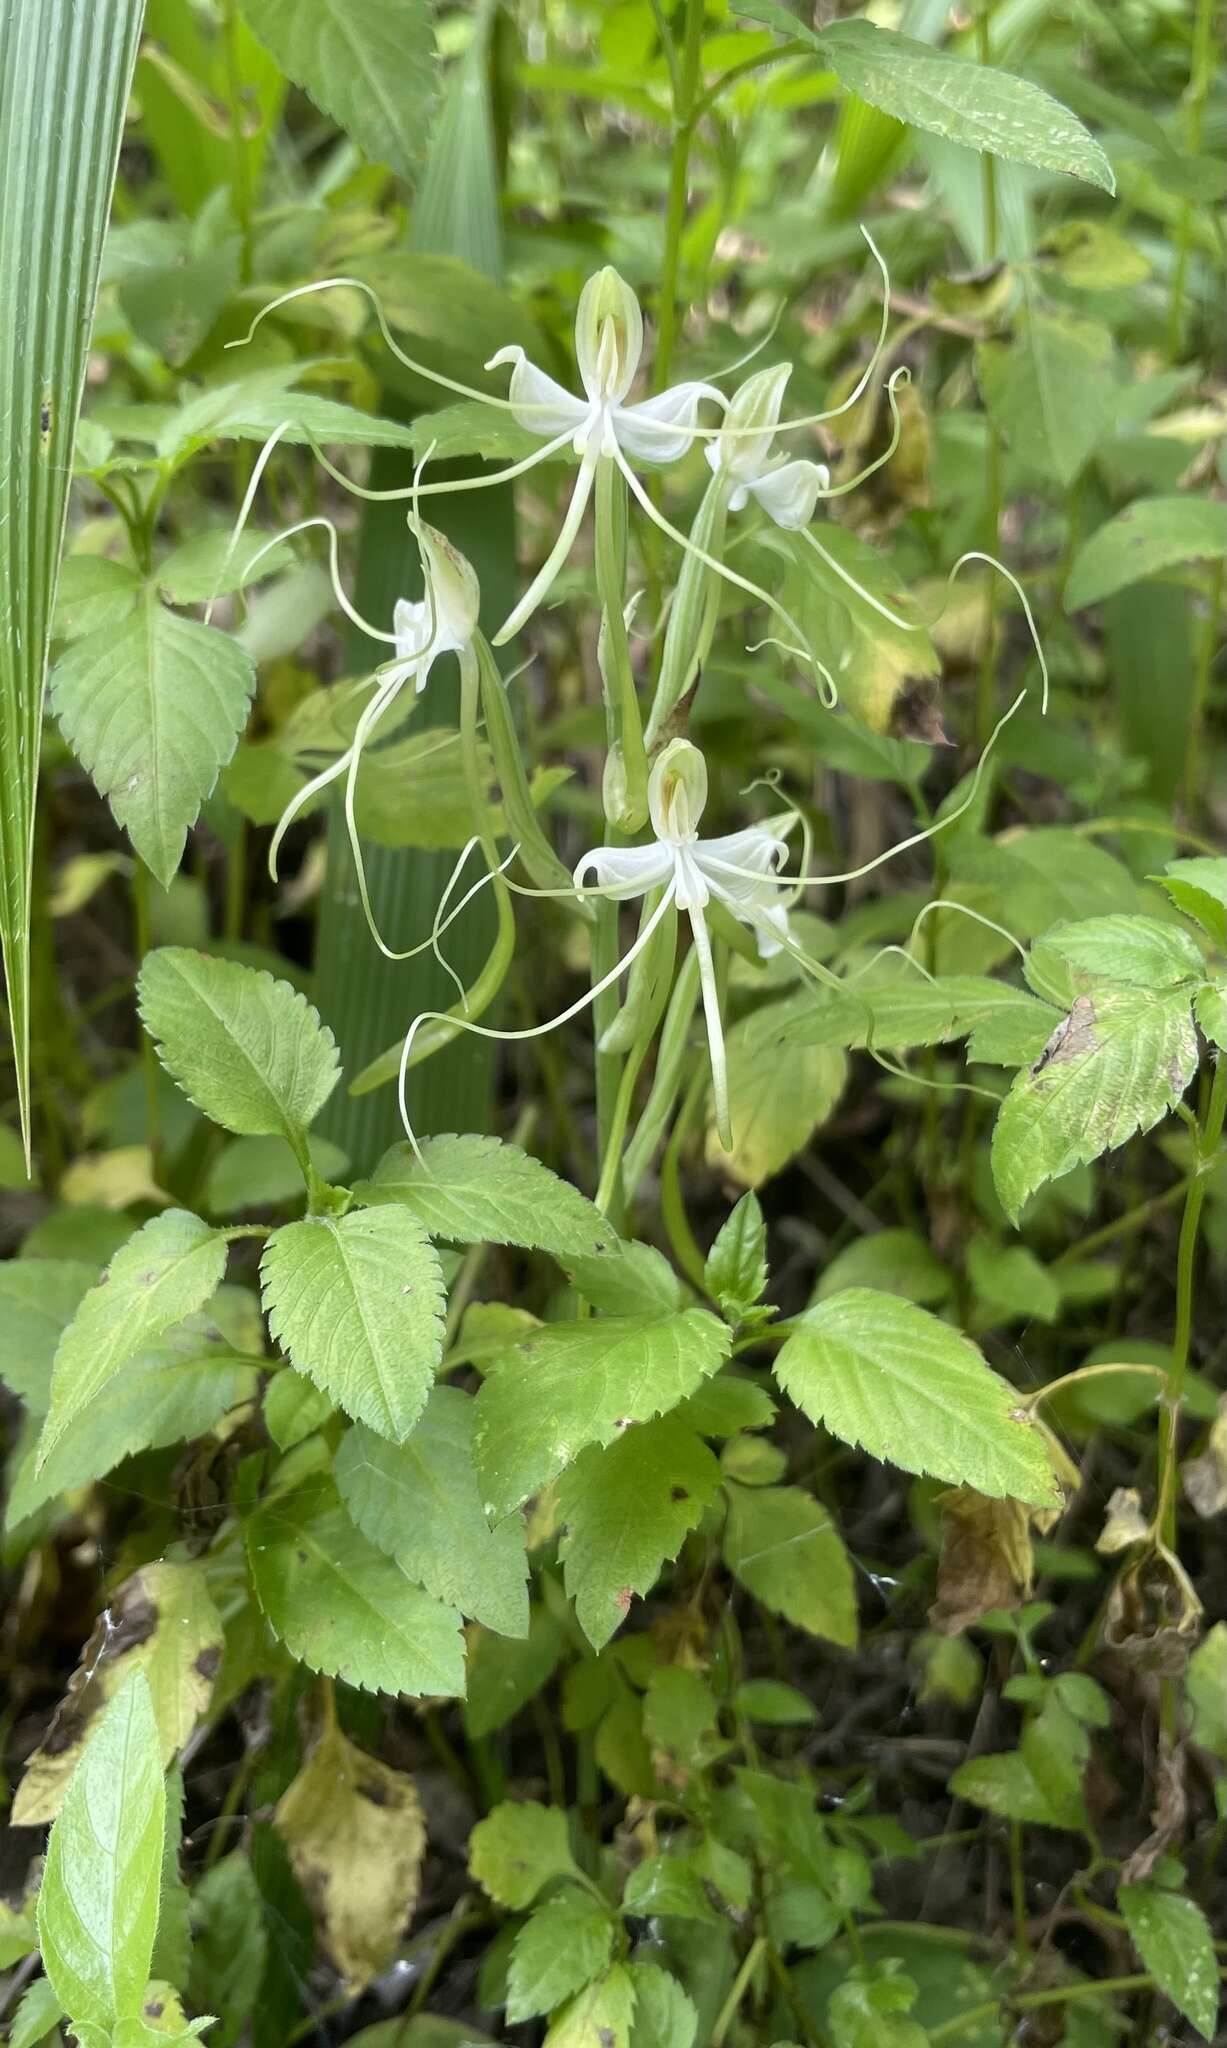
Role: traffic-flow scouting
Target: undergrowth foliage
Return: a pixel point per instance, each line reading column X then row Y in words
column 709, row 1530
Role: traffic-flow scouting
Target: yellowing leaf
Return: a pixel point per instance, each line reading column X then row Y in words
column 356, row 1838
column 162, row 1622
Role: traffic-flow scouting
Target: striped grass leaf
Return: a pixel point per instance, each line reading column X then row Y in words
column 65, row 70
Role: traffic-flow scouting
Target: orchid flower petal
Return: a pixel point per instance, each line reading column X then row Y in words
column 660, row 430
column 538, row 404
column 789, row 494
column 624, row 872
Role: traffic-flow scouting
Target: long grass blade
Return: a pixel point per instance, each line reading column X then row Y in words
column 368, row 1002
column 65, row 71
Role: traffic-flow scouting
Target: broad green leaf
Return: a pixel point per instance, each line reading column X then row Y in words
column 356, row 1302
column 38, row 1299
column 153, row 708
column 974, row 104
column 212, row 565
column 627, row 1279
column 1173, row 1938
column 1050, row 390
column 172, row 1947
column 165, row 1272
column 1210, row 1010
column 882, row 1373
column 668, row 1886
column 354, row 1830
column 784, row 1548
column 470, row 428
column 415, row 792
column 1152, row 535
column 895, row 1261
column 168, row 1393
column 518, row 1849
column 774, row 1704
column 262, row 1173
column 65, row 74
column 94, row 592
column 680, row 1715
column 369, row 64
column 229, row 1946
column 18, row 1933
column 560, row 1949
column 601, row 2014
column 475, row 1190
column 724, row 1406
column 419, row 1502
column 162, row 1622
column 247, row 1050
column 341, row 1606
column 736, row 1270
column 781, row 1088
column 1010, row 1283
column 1199, row 888
column 664, row 2016
column 1119, row 1061
column 98, row 1904
column 906, row 1011
column 628, row 1508
column 1002, row 1784
column 254, row 407
column 565, row 1386
column 1138, row 951
column 505, row 1672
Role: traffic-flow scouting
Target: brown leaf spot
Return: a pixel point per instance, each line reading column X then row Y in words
column 1073, row 1036
column 678, row 1493
column 208, row 1663
column 625, row 1596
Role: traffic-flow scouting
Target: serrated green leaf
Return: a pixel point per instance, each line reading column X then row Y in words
column 627, row 1509
column 1137, row 951
column 1152, row 535
column 65, row 74
column 37, row 2016
column 470, row 428
column 98, row 1903
column 1199, row 888
column 356, row 1302
column 1050, row 390
column 169, row 1393
column 342, row 1607
column 1119, row 1061
column 1210, row 1010
column 161, row 1622
column 254, row 407
column 1010, row 1282
column 247, row 1050
column 369, row 64
column 1173, row 1938
column 475, row 1190
column 973, row 104
column 566, row 1386
column 38, row 1299
column 664, row 2016
column 560, row 1949
column 736, row 1270
column 600, row 2015
column 882, row 1373
column 153, row 708
column 213, row 565
column 906, row 1011
column 164, row 1273
column 419, row 1502
column 627, row 1279
column 94, row 592
column 517, row 1849
column 785, row 1549
column 172, row 1947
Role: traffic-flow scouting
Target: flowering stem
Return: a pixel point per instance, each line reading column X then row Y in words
column 685, row 111
column 622, row 717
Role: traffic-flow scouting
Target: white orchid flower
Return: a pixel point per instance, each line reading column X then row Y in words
column 742, row 452
column 442, row 621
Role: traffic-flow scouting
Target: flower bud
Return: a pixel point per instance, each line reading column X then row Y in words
column 677, row 792
column 608, row 336
column 755, row 406
column 452, row 589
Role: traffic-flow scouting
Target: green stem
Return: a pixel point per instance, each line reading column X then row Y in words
column 685, row 114
column 992, row 449
column 1186, row 1256
column 672, row 1205
column 1194, row 754
column 149, row 1060
column 238, row 132
column 728, row 2011
column 1033, row 2001
column 1132, row 1219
